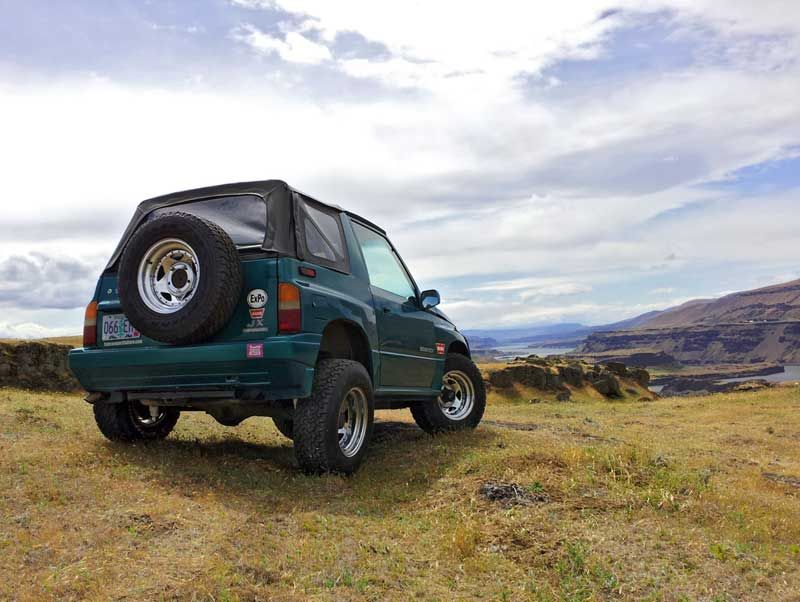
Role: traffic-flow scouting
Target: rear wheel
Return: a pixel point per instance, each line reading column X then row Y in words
column 461, row 403
column 134, row 421
column 333, row 427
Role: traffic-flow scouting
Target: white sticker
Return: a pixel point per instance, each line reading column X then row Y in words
column 257, row 298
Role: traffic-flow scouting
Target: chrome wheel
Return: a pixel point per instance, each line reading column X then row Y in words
column 168, row 275
column 147, row 416
column 352, row 424
column 458, row 395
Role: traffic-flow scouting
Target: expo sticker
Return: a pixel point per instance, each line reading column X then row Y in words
column 257, row 298
column 440, row 348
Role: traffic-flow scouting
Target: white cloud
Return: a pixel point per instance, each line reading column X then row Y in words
column 32, row 330
column 294, row 48
column 472, row 175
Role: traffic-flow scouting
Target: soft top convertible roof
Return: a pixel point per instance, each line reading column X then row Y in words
column 280, row 211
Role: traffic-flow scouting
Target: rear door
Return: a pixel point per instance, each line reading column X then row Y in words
column 406, row 334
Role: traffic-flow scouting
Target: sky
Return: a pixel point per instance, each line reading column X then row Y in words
column 578, row 161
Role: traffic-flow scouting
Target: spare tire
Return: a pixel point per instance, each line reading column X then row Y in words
column 180, row 279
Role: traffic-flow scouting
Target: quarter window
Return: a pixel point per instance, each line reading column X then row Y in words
column 383, row 264
column 323, row 236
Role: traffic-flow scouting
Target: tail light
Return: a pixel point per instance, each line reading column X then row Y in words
column 90, row 325
column 289, row 317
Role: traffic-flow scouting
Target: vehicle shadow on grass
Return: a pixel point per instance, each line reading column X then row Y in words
column 401, row 465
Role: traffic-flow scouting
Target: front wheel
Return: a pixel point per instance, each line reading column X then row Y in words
column 461, row 403
column 331, row 429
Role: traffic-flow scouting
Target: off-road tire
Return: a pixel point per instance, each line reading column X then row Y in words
column 219, row 286
column 117, row 423
column 285, row 427
column 430, row 417
column 316, row 442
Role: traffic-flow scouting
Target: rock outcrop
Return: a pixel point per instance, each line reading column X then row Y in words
column 562, row 376
column 36, row 365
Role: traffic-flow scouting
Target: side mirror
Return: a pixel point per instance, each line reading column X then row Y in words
column 429, row 299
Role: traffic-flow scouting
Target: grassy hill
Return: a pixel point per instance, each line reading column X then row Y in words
column 675, row 499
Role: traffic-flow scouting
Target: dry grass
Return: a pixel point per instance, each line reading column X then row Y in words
column 658, row 501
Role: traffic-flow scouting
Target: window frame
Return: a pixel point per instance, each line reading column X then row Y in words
column 305, row 254
column 398, row 257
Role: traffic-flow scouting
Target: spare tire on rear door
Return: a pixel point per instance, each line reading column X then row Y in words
column 180, row 279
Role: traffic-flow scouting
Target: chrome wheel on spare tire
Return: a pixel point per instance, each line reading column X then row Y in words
column 461, row 402
column 169, row 275
column 180, row 279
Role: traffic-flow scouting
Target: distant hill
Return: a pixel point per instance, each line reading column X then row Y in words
column 772, row 304
column 761, row 325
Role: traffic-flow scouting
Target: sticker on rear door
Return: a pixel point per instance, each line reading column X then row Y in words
column 440, row 348
column 256, row 300
column 255, row 350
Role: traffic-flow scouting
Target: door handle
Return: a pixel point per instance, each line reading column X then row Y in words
column 386, row 310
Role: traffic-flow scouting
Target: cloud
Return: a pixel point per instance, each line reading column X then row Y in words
column 294, row 48
column 519, row 199
column 40, row 281
column 32, row 330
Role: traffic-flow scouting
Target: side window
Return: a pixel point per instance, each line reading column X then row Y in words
column 383, row 265
column 323, row 236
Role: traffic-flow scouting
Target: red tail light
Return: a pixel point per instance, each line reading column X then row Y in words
column 289, row 316
column 90, row 325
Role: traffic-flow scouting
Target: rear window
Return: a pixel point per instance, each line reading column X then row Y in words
column 243, row 216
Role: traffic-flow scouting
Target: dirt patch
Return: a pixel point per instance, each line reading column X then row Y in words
column 783, row 479
column 517, row 426
column 511, row 494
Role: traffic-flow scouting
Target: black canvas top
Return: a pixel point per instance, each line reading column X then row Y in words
column 280, row 211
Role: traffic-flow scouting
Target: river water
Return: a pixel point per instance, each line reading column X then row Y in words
column 509, row 352
column 790, row 373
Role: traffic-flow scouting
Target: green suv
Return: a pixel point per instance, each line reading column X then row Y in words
column 254, row 299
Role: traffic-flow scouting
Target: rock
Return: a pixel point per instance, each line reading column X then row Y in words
column 36, row 365
column 617, row 368
column 554, row 380
column 607, row 384
column 573, row 375
column 752, row 385
column 640, row 375
column 564, row 395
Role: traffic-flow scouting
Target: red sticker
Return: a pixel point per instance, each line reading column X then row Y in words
column 257, row 314
column 440, row 348
column 255, row 350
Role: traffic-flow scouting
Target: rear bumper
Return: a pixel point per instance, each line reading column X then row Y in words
column 285, row 371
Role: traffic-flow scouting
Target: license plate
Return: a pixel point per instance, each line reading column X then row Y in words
column 116, row 327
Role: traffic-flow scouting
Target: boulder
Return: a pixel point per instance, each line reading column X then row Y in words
column 617, row 368
column 564, row 395
column 607, row 384
column 640, row 376
column 573, row 375
column 36, row 365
